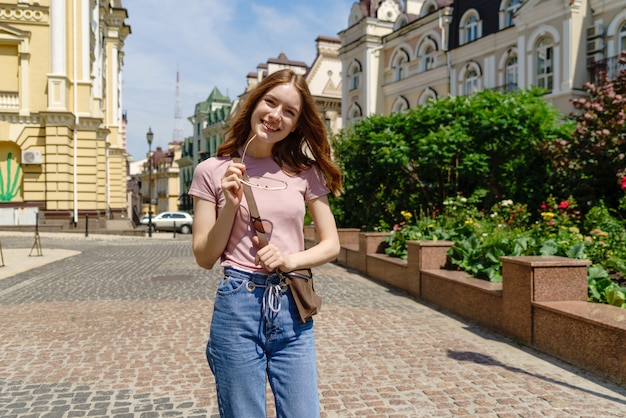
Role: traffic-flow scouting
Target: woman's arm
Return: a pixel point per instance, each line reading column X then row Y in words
column 210, row 232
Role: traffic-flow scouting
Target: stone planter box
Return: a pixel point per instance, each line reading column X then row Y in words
column 541, row 302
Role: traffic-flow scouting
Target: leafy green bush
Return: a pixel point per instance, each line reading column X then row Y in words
column 491, row 142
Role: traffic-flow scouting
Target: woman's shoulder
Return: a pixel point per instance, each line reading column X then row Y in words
column 213, row 163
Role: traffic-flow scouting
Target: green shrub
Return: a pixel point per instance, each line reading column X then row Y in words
column 482, row 237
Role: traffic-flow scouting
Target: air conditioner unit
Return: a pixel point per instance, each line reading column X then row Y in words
column 592, row 59
column 595, row 45
column 595, row 30
column 31, row 157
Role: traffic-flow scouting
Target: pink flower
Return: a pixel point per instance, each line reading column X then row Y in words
column 563, row 205
column 396, row 227
column 624, row 183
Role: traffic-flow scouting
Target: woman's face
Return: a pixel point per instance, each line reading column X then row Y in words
column 276, row 114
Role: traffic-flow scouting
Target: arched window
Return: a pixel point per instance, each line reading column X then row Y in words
column 622, row 38
column 399, row 64
column 544, row 53
column 400, row 105
column 355, row 112
column 470, row 28
column 471, row 82
column 427, row 54
column 354, row 75
column 512, row 6
column 510, row 74
column 401, row 22
column 428, row 94
column 430, row 6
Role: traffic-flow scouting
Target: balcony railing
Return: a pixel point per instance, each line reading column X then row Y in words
column 507, row 88
column 9, row 100
column 612, row 66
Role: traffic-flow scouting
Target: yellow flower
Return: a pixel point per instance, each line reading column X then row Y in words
column 547, row 215
column 407, row 215
column 469, row 222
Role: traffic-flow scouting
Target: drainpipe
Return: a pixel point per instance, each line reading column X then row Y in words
column 444, row 24
column 76, row 117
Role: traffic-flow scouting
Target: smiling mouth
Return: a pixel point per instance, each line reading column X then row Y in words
column 270, row 127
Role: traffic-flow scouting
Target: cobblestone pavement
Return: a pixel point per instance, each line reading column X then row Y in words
column 118, row 329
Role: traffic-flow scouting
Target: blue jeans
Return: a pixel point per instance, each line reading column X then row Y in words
column 256, row 333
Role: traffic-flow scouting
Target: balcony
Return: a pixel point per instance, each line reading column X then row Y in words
column 507, row 88
column 612, row 66
column 9, row 100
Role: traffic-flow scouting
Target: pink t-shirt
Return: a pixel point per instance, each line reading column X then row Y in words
column 282, row 211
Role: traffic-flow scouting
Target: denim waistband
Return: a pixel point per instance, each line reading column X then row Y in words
column 258, row 278
column 274, row 289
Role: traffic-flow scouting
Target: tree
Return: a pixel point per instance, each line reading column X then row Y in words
column 413, row 161
column 592, row 162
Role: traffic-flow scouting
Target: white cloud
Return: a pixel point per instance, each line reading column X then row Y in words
column 212, row 44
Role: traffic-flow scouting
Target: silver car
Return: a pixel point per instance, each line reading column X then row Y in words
column 165, row 221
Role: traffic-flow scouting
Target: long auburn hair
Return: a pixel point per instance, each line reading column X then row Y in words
column 290, row 153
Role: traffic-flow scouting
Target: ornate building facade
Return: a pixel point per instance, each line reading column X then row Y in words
column 398, row 55
column 62, row 131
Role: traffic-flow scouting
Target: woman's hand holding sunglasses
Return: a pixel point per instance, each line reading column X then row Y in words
column 231, row 183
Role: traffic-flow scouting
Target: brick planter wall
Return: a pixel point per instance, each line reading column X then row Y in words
column 541, row 302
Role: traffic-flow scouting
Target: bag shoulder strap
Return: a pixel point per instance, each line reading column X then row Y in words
column 252, row 207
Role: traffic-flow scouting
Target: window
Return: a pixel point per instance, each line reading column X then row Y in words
column 354, row 112
column 511, row 8
column 400, row 105
column 430, row 6
column 429, row 58
column 428, row 94
column 510, row 75
column 545, row 64
column 622, row 38
column 354, row 76
column 470, row 28
column 471, row 82
column 399, row 65
column 427, row 54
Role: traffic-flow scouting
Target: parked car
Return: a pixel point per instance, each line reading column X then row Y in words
column 165, row 221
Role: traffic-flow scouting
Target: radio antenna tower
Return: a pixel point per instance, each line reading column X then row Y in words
column 177, row 135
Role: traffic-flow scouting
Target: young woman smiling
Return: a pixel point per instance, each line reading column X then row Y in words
column 256, row 332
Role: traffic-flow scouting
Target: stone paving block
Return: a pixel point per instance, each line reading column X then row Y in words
column 119, row 330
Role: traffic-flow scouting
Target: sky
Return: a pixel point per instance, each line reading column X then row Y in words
column 210, row 43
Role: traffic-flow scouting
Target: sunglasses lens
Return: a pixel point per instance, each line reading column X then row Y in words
column 258, row 225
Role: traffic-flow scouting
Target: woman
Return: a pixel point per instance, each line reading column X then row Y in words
column 256, row 332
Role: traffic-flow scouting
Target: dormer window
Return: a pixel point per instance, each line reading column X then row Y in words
column 470, row 28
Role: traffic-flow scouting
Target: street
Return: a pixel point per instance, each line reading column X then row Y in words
column 118, row 328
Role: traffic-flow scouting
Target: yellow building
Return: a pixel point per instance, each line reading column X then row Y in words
column 62, row 137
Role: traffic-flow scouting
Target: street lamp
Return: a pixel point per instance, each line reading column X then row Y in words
column 149, row 137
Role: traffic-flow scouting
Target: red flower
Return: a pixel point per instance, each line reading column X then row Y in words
column 563, row 205
column 543, row 206
column 624, row 183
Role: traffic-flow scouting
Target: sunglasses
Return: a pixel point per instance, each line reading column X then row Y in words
column 261, row 182
column 257, row 223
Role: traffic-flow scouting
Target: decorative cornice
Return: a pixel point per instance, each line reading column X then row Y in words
column 21, row 119
column 32, row 14
column 58, row 119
